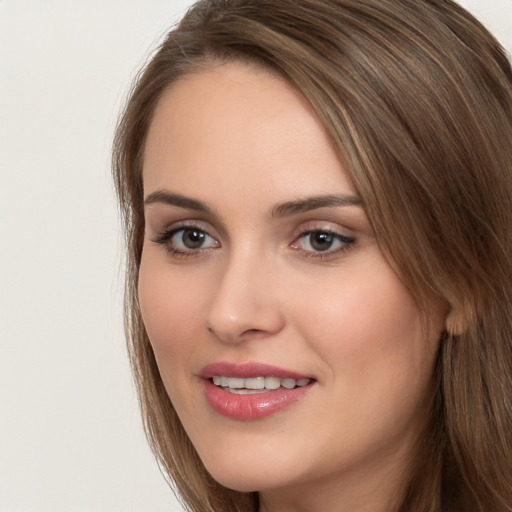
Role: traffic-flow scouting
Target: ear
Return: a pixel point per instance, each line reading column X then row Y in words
column 460, row 318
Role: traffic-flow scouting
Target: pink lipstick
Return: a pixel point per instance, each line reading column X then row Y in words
column 251, row 391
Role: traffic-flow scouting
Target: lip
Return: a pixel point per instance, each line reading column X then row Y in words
column 251, row 406
column 249, row 369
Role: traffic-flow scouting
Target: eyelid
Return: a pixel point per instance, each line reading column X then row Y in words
column 324, row 226
column 166, row 228
column 164, row 236
column 346, row 240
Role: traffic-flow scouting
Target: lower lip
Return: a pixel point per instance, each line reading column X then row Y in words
column 253, row 406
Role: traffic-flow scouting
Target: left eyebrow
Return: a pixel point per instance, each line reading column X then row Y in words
column 313, row 203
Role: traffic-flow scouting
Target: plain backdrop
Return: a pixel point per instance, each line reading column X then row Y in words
column 70, row 434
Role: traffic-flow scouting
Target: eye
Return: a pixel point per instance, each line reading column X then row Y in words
column 322, row 241
column 186, row 240
column 191, row 238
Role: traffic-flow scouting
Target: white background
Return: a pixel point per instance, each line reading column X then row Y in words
column 70, row 434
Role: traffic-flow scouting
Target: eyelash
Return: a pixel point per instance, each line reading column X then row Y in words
column 345, row 241
column 165, row 239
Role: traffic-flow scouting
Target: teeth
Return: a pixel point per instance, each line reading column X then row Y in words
column 254, row 383
column 236, row 383
column 272, row 382
column 288, row 383
column 257, row 383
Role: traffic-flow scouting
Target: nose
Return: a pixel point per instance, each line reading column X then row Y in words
column 245, row 304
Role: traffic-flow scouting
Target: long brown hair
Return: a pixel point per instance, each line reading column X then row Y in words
column 417, row 98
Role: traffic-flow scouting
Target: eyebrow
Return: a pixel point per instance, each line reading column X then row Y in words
column 281, row 210
column 313, row 203
column 162, row 196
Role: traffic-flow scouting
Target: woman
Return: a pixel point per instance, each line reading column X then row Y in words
column 317, row 201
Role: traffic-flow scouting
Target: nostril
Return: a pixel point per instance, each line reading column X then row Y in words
column 252, row 331
column 234, row 318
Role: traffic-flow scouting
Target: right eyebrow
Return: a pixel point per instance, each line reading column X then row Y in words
column 165, row 197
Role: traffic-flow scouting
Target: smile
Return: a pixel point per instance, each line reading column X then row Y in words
column 256, row 385
column 253, row 391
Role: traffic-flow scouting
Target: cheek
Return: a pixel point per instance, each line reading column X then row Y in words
column 171, row 310
column 379, row 364
column 368, row 326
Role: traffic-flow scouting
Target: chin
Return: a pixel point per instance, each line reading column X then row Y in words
column 252, row 476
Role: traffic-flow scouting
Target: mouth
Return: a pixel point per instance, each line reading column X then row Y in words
column 252, row 391
column 257, row 385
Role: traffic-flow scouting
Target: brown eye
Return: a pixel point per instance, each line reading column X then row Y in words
column 319, row 241
column 192, row 238
column 186, row 240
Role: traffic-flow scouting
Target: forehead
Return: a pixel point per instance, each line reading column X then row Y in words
column 239, row 125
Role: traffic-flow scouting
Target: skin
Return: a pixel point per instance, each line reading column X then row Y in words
column 242, row 141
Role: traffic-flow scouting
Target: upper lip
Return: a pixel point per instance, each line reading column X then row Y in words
column 248, row 370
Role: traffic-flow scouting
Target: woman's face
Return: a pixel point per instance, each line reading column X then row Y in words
column 260, row 270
